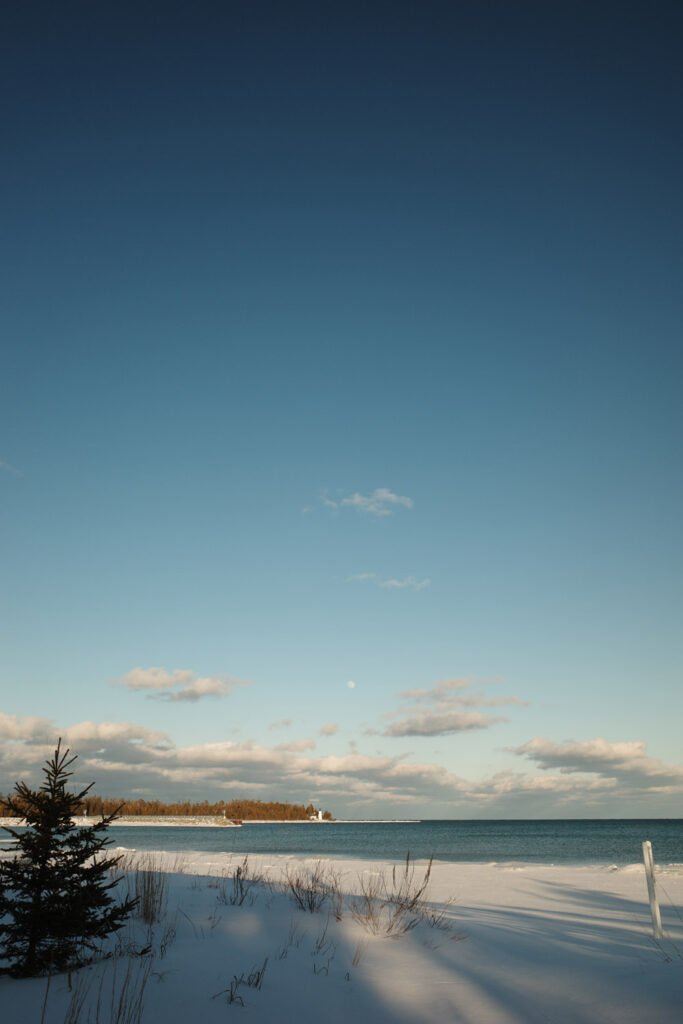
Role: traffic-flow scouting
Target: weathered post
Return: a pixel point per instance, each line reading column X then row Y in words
column 650, row 876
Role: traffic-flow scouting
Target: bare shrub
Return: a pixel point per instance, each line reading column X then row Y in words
column 392, row 906
column 311, row 888
column 358, row 952
column 252, row 980
column 334, row 882
column 293, row 939
column 406, row 891
column 232, row 991
column 243, row 881
column 322, row 943
column 167, row 940
column 325, row 948
column 214, row 919
column 195, row 932
column 437, row 917
column 255, row 978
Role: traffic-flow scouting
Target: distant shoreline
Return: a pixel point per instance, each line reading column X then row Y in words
column 213, row 821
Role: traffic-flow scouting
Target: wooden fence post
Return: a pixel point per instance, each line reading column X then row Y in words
column 650, row 875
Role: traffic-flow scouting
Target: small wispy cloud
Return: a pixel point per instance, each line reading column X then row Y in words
column 437, row 723
column 179, row 685
column 382, row 502
column 443, row 688
column 282, row 723
column 450, row 709
column 213, row 686
column 447, row 691
column 297, row 746
column 329, row 729
column 9, row 468
column 407, row 583
column 154, row 678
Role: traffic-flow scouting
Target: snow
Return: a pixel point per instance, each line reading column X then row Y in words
column 496, row 944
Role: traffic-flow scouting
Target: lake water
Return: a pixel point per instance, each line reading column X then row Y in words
column 551, row 842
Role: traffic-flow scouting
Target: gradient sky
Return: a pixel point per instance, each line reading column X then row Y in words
column 341, row 344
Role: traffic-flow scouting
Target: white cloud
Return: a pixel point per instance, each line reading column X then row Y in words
column 297, row 746
column 30, row 741
column 126, row 758
column 214, row 686
column 329, row 729
column 283, row 723
column 447, row 713
column 351, row 685
column 382, row 502
column 544, row 795
column 407, row 583
column 154, row 678
column 434, row 723
column 10, row 468
column 443, row 689
column 410, row 582
column 186, row 686
column 30, row 728
column 625, row 761
column 93, row 735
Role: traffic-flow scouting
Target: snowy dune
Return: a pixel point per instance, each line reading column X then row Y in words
column 493, row 944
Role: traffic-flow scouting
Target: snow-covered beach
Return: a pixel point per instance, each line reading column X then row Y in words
column 486, row 944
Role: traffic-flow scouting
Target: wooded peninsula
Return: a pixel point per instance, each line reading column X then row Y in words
column 243, row 810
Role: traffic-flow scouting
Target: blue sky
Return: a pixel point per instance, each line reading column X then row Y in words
column 341, row 343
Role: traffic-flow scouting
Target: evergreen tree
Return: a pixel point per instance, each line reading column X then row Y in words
column 55, row 894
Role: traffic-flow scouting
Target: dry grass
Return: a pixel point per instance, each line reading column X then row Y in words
column 325, row 949
column 252, row 980
column 437, row 917
column 392, row 905
column 148, row 884
column 293, row 939
column 119, row 998
column 312, row 887
column 238, row 888
column 388, row 903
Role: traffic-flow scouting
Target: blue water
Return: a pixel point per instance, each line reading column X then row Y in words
column 551, row 842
